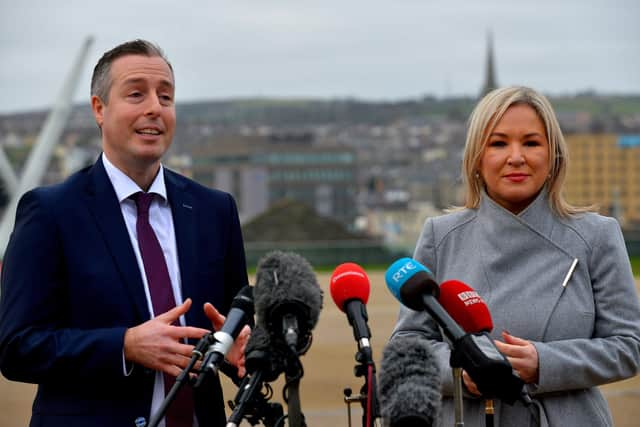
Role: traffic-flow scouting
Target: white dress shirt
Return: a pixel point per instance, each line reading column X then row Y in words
column 161, row 221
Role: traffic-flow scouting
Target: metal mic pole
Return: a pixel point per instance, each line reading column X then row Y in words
column 196, row 355
column 457, row 397
column 488, row 412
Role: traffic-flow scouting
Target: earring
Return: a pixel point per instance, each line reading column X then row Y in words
column 477, row 175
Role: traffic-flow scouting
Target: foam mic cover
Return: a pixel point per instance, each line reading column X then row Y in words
column 348, row 282
column 409, row 383
column 466, row 306
column 260, row 355
column 287, row 292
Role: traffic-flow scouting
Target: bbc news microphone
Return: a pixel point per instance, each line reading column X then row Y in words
column 350, row 290
column 469, row 310
column 409, row 383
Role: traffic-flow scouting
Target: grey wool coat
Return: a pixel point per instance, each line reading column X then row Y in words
column 564, row 284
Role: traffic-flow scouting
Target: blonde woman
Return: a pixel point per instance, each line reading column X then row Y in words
column 556, row 278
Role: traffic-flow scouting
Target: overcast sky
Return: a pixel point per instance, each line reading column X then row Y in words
column 367, row 49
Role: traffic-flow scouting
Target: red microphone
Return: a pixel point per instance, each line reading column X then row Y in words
column 471, row 312
column 350, row 291
column 466, row 307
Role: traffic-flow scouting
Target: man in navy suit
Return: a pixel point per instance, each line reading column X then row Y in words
column 78, row 312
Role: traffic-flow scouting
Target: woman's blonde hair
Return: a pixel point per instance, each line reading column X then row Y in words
column 482, row 122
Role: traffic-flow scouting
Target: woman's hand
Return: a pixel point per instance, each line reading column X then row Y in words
column 522, row 355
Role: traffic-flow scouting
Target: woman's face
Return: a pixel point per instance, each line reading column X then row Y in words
column 515, row 162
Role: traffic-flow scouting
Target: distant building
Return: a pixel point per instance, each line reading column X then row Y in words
column 490, row 81
column 605, row 171
column 399, row 227
column 260, row 170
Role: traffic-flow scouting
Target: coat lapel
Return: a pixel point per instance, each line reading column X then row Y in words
column 524, row 268
column 183, row 208
column 103, row 204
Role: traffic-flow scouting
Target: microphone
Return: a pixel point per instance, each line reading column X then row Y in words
column 409, row 383
column 466, row 306
column 469, row 309
column 288, row 299
column 350, row 291
column 349, row 288
column 240, row 314
column 413, row 284
column 260, row 355
column 264, row 364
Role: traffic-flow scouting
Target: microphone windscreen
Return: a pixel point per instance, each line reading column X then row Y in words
column 465, row 306
column 348, row 282
column 286, row 279
column 261, row 355
column 409, row 382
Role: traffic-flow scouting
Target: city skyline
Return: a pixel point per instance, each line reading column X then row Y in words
column 364, row 50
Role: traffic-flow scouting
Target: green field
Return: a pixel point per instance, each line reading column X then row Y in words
column 635, row 265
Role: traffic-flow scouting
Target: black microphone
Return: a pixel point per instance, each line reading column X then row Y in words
column 261, row 355
column 288, row 299
column 264, row 363
column 240, row 314
column 409, row 383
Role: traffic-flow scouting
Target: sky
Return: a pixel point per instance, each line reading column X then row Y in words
column 366, row 49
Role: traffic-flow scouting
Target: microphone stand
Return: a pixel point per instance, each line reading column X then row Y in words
column 252, row 405
column 182, row 379
column 368, row 396
column 457, row 397
column 291, row 391
column 488, row 412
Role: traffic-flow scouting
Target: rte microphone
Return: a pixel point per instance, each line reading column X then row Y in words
column 414, row 286
column 288, row 299
column 409, row 383
column 240, row 314
column 349, row 288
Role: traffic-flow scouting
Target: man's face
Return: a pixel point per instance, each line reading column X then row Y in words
column 139, row 119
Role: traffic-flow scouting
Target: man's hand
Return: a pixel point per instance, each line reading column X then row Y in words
column 235, row 356
column 157, row 344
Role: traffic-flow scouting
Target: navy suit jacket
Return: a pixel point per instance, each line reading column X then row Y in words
column 71, row 287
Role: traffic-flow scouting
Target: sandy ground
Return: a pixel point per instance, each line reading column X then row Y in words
column 329, row 369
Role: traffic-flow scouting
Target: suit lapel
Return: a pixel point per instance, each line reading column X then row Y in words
column 103, row 204
column 183, row 209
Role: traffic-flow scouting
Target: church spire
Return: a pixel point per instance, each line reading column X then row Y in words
column 490, row 82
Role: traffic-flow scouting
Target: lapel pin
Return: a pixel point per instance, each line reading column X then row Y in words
column 570, row 272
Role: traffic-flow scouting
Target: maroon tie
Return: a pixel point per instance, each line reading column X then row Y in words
column 180, row 412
